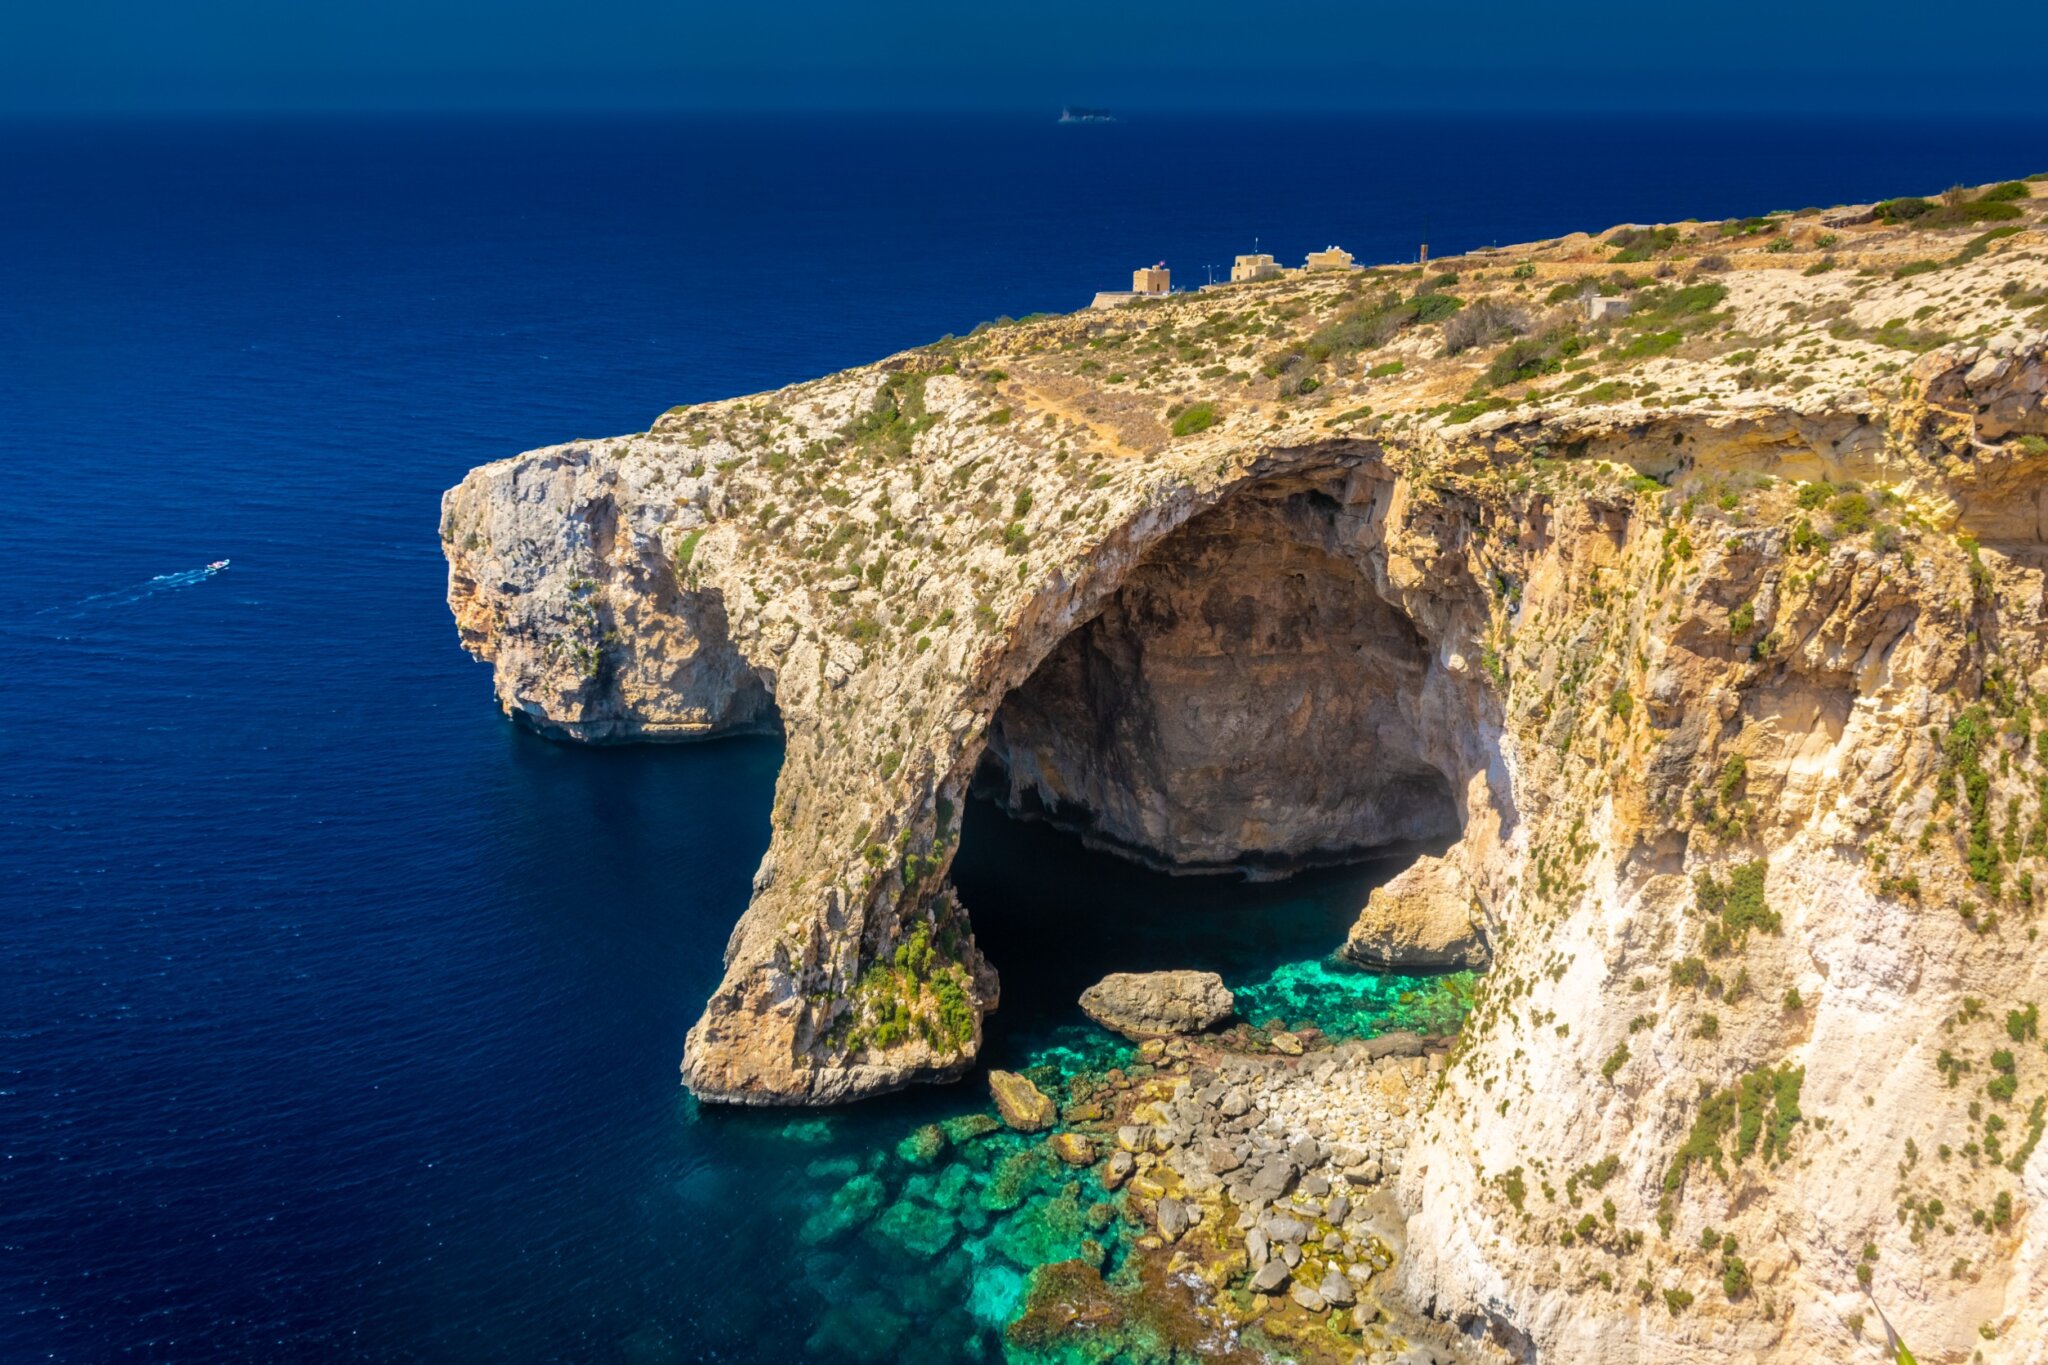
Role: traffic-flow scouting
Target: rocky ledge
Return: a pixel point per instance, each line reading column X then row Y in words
column 1703, row 633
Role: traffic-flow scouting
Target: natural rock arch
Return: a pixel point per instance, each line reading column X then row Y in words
column 1338, row 708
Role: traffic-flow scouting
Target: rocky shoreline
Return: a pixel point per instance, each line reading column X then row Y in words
column 1258, row 1166
column 1220, row 1194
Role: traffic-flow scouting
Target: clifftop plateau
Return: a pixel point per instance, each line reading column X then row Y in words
column 1708, row 635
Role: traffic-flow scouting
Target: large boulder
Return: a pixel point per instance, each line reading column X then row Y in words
column 1023, row 1105
column 1142, row 1005
column 1421, row 919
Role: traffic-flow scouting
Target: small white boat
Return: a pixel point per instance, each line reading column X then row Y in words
column 217, row 566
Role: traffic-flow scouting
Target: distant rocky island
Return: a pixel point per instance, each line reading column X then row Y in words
column 1684, row 581
column 1078, row 113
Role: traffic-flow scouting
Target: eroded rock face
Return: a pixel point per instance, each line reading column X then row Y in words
column 1143, row 1005
column 1246, row 699
column 581, row 610
column 1423, row 918
column 1728, row 669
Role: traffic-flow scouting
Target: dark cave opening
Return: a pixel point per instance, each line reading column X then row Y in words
column 1247, row 701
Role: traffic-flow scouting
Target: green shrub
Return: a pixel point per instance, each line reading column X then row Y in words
column 1434, row 307
column 1377, row 322
column 2022, row 1025
column 1473, row 407
column 1640, row 244
column 1645, row 345
column 956, row 1015
column 1748, row 227
column 1761, row 1109
column 1738, row 905
column 2011, row 189
column 1920, row 213
column 1196, row 417
column 1530, row 357
column 1616, row 1060
column 1981, row 243
column 1769, row 1101
column 1664, row 304
column 893, row 420
column 1903, row 210
column 1593, row 1175
column 1851, row 513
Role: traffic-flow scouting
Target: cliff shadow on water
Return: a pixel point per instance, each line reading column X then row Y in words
column 1054, row 916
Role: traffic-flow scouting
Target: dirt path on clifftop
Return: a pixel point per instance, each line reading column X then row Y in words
column 1107, row 431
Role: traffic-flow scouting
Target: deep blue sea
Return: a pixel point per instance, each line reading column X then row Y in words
column 339, row 1018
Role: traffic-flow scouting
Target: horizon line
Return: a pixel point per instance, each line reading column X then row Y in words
column 1463, row 111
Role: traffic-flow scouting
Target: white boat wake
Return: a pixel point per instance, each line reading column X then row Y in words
column 121, row 597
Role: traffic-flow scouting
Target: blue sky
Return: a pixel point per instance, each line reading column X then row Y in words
column 1739, row 55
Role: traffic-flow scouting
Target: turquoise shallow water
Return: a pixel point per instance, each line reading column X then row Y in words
column 918, row 1222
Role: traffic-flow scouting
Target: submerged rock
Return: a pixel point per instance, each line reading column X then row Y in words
column 851, row 1205
column 866, row 1330
column 916, row 1228
column 1074, row 1149
column 1153, row 1005
column 923, row 1146
column 1023, row 1105
column 968, row 1127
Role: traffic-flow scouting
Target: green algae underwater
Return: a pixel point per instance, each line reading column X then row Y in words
column 917, row 1227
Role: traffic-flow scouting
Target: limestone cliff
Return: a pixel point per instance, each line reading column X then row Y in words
column 1710, row 638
